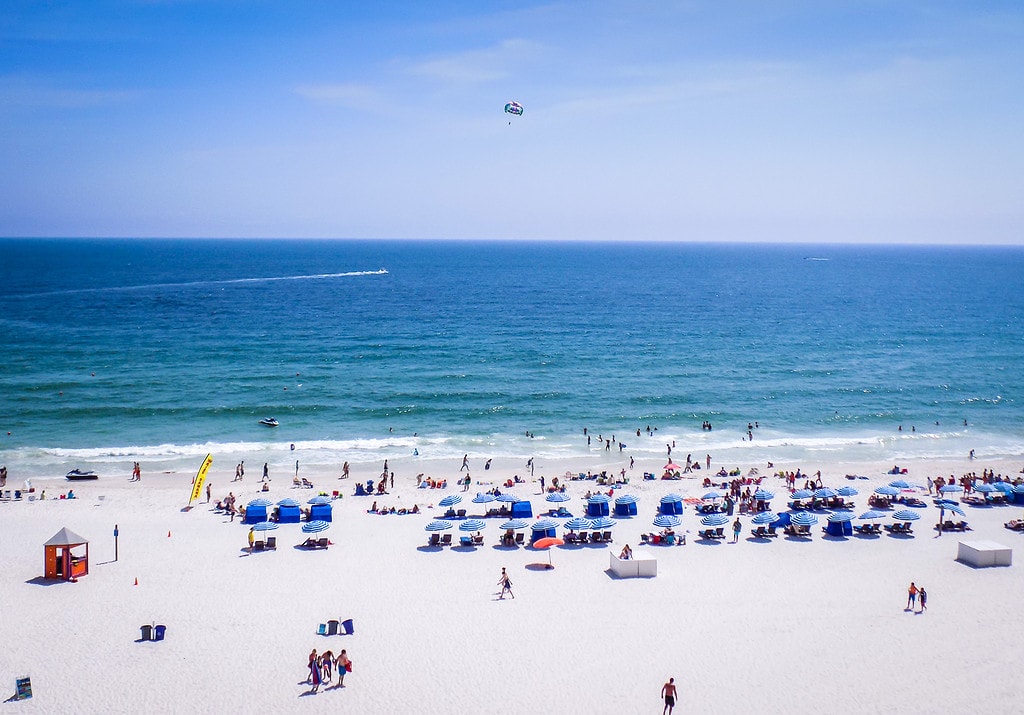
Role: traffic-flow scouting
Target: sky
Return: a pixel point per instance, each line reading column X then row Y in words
column 718, row 120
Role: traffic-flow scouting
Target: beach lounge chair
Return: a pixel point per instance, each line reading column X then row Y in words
column 759, row 533
column 720, row 532
column 707, row 533
column 465, row 541
column 435, row 540
column 606, row 537
column 520, row 536
column 450, row 514
column 460, row 514
column 323, row 543
column 271, row 542
column 772, row 532
column 645, row 538
column 962, row 526
column 1014, row 524
column 296, row 482
column 595, row 537
column 306, row 483
column 581, row 537
column 257, row 545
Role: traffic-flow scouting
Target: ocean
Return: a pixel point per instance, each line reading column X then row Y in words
column 164, row 350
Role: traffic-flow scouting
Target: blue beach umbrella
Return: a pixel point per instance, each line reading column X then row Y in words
column 627, row 499
column 825, row 493
column 763, row 518
column 508, row 498
column 872, row 515
column 802, row 494
column 715, row 520
column 265, row 526
column 435, row 525
column 667, row 521
column 847, row 492
column 601, row 522
column 839, row 517
column 450, row 500
column 557, row 497
column 472, row 525
column 712, row 495
column 905, row 515
column 312, row 527
column 888, row 490
column 803, row 518
column 901, row 484
column 984, row 488
column 950, row 488
column 258, row 502
column 544, row 525
column 950, row 507
column 320, row 499
column 514, row 524
column 763, row 495
column 599, row 499
column 1004, row 487
column 288, row 501
column 483, row 498
column 577, row 524
column 1019, row 489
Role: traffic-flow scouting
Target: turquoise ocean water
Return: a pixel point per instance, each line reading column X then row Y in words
column 164, row 350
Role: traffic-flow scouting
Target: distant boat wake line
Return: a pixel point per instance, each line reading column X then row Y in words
column 230, row 281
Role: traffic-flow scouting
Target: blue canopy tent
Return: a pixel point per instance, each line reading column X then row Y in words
column 839, row 525
column 597, row 505
column 626, row 505
column 542, row 528
column 671, row 504
column 522, row 510
column 288, row 512
column 320, row 512
column 256, row 511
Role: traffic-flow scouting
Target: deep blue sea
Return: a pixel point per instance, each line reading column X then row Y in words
column 116, row 350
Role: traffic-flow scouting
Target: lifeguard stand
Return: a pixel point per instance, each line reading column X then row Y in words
column 60, row 560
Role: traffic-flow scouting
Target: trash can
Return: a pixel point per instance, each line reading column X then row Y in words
column 158, row 633
column 147, row 633
column 332, row 628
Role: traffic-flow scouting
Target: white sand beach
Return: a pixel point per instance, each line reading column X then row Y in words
column 772, row 626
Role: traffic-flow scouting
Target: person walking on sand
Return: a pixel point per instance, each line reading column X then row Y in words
column 911, row 596
column 668, row 691
column 266, row 471
column 314, row 674
column 309, row 666
column 342, row 665
column 736, row 528
column 344, row 470
column 506, row 585
column 922, row 599
column 465, row 463
column 252, row 537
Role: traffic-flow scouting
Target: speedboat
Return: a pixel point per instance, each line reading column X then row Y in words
column 268, row 422
column 77, row 475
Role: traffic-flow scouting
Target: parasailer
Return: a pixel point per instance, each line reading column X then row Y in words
column 515, row 109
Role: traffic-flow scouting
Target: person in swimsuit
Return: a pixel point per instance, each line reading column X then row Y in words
column 668, row 691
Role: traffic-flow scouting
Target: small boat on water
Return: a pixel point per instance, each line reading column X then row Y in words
column 268, row 422
column 77, row 475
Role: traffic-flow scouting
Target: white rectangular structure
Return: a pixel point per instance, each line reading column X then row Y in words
column 633, row 568
column 984, row 553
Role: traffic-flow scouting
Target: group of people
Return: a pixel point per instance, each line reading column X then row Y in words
column 917, row 594
column 392, row 510
column 323, row 666
column 136, row 472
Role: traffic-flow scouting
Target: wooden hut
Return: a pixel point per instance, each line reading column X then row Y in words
column 60, row 559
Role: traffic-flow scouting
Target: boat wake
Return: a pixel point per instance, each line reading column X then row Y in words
column 229, row 281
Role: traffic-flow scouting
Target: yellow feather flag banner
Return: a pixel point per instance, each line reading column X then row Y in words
column 197, row 485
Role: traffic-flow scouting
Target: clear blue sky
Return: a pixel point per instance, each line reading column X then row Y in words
column 699, row 121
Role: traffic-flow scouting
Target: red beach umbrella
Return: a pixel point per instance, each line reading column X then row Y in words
column 546, row 543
